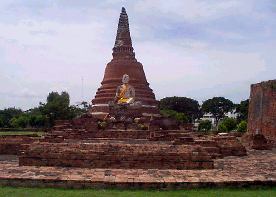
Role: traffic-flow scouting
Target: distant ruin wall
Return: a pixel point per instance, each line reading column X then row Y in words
column 262, row 109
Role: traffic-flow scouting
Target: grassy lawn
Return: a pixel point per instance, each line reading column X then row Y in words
column 39, row 133
column 49, row 192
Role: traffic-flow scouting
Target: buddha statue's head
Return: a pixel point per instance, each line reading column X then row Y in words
column 125, row 79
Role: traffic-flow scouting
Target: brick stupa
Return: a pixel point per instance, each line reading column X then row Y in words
column 124, row 62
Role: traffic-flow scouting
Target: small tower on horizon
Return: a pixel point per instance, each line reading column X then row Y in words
column 124, row 62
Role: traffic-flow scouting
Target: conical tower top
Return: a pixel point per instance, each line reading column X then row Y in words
column 123, row 45
column 124, row 62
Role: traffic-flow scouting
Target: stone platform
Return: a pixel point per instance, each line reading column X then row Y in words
column 82, row 134
column 117, row 154
column 164, row 150
column 257, row 168
column 72, row 145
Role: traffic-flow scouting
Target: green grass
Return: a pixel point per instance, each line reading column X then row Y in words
column 50, row 192
column 38, row 133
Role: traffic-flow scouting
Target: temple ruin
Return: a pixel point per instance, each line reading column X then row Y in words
column 106, row 139
column 124, row 62
column 262, row 113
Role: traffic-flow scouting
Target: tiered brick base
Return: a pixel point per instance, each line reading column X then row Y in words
column 79, row 143
column 216, row 146
column 118, row 155
column 59, row 136
column 12, row 144
column 258, row 168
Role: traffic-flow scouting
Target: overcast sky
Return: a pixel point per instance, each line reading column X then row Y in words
column 193, row 48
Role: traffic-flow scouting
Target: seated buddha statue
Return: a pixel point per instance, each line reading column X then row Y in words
column 124, row 107
column 125, row 93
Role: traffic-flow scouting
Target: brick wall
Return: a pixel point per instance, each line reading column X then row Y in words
column 262, row 109
column 12, row 144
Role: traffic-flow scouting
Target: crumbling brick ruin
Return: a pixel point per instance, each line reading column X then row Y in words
column 262, row 110
column 83, row 142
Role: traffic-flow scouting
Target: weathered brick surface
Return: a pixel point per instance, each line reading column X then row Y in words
column 256, row 141
column 129, row 149
column 216, row 146
column 124, row 62
column 257, row 168
column 259, row 142
column 81, row 134
column 168, row 135
column 262, row 109
column 117, row 155
column 230, row 146
column 12, row 144
column 72, row 143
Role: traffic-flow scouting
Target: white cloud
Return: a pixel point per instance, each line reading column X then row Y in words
column 49, row 46
column 199, row 70
column 191, row 10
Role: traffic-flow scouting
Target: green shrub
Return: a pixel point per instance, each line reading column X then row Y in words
column 205, row 125
column 227, row 124
column 179, row 116
column 37, row 120
column 242, row 126
column 222, row 127
column 21, row 121
column 168, row 113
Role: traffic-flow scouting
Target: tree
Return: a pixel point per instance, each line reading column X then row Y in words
column 57, row 107
column 227, row 124
column 180, row 117
column 217, row 106
column 230, row 123
column 242, row 126
column 1, row 122
column 184, row 105
column 84, row 106
column 7, row 114
column 242, row 110
column 205, row 125
column 38, row 120
column 21, row 121
column 77, row 110
column 222, row 127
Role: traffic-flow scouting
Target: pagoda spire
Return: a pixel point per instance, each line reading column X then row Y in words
column 124, row 62
column 123, row 45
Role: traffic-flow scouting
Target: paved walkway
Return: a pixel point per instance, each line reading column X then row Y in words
column 258, row 168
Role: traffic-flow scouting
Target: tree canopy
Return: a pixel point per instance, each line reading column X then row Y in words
column 205, row 125
column 217, row 106
column 188, row 106
column 227, row 124
column 57, row 107
column 7, row 114
column 242, row 126
column 179, row 116
column 242, row 110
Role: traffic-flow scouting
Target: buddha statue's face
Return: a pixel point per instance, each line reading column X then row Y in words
column 125, row 78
